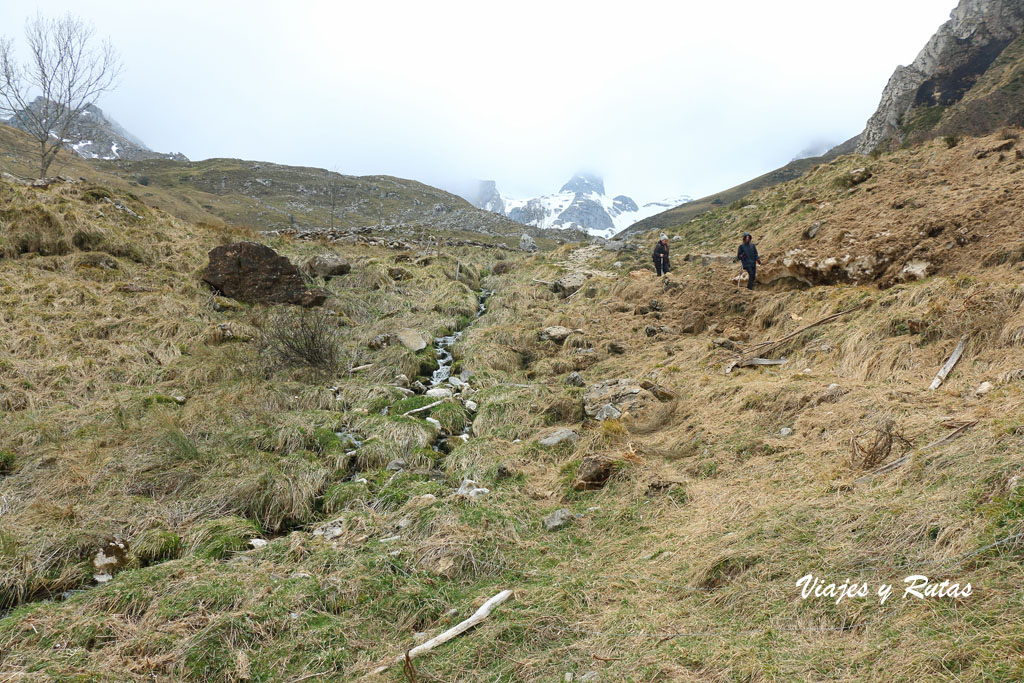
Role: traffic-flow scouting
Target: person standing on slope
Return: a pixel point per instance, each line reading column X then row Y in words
column 747, row 256
column 661, row 264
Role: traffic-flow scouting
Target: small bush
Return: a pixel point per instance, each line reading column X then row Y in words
column 951, row 141
column 302, row 338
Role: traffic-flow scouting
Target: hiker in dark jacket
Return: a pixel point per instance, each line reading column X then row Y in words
column 747, row 256
column 661, row 264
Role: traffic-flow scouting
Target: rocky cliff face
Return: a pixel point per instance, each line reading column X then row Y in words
column 94, row 135
column 947, row 68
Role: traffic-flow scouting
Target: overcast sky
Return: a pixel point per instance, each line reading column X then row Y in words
column 660, row 98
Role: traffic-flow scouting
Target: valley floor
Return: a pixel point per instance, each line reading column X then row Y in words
column 138, row 408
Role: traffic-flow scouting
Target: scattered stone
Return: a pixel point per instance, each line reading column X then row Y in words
column 611, row 398
column 253, row 272
column 615, row 245
column 411, row 339
column 471, row 490
column 660, row 392
column 594, row 471
column 692, row 322
column 397, row 465
column 558, row 436
column 399, row 274
column 327, row 266
column 471, row 406
column 569, row 283
column 380, row 341
column 527, row 243
column 812, row 230
column 575, row 379
column 616, row 348
column 506, row 471
column 983, row 388
column 559, row 519
column 785, row 431
column 401, row 381
column 556, row 333
column 418, row 387
column 725, row 343
column 257, row 543
column 651, row 330
column 312, row 298
column 439, row 392
column 109, row 559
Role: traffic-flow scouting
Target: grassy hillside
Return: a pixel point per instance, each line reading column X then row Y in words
column 690, row 210
column 140, row 409
column 265, row 197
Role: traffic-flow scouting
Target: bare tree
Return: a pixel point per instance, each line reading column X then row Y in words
column 67, row 70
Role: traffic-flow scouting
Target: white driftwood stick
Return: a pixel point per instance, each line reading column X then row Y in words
column 761, row 361
column 478, row 616
column 948, row 367
column 362, row 367
column 426, row 407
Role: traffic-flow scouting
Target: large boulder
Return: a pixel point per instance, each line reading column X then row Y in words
column 527, row 243
column 555, row 333
column 593, row 472
column 568, row 284
column 253, row 272
column 411, row 339
column 327, row 265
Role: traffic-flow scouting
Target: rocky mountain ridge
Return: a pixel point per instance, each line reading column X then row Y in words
column 580, row 204
column 94, row 135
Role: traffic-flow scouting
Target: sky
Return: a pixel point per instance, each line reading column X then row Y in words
column 661, row 99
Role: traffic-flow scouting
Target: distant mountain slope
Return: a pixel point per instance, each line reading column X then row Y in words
column 686, row 212
column 580, row 204
column 94, row 135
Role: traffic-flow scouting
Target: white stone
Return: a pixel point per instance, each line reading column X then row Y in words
column 983, row 388
column 471, row 406
column 471, row 490
column 257, row 543
column 785, row 431
column 439, row 392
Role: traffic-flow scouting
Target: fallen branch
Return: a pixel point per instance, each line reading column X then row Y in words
column 768, row 346
column 361, row 368
column 747, row 362
column 426, row 407
column 950, row 362
column 459, row 629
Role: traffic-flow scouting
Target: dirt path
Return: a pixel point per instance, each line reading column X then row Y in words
column 578, row 261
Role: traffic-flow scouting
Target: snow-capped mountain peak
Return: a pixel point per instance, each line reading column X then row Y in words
column 581, row 204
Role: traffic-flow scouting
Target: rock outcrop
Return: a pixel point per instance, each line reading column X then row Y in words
column 948, row 66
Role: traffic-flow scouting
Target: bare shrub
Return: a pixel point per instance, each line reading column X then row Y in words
column 873, row 446
column 302, row 338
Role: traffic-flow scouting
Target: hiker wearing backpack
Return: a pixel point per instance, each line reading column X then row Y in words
column 748, row 258
column 661, row 264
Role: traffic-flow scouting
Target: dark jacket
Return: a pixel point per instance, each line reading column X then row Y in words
column 747, row 254
column 661, row 253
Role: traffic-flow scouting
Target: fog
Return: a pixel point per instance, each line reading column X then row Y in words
column 661, row 99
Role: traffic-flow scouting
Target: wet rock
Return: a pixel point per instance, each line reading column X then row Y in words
column 527, row 243
column 594, row 471
column 575, row 379
column 327, row 266
column 558, row 436
column 411, row 339
column 555, row 333
column 559, row 519
column 253, row 272
column 418, row 387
